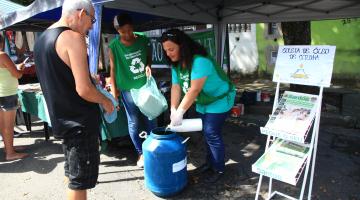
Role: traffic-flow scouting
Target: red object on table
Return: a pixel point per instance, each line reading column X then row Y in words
column 30, row 71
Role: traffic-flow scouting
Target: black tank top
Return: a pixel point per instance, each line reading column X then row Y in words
column 67, row 110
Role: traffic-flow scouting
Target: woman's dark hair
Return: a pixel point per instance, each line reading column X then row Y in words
column 188, row 47
column 121, row 20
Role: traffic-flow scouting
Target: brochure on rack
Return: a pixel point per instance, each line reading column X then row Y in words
column 283, row 161
column 292, row 117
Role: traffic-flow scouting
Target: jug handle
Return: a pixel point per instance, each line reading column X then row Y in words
column 143, row 134
column 184, row 141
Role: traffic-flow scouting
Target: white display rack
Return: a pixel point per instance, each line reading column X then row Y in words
column 297, row 171
column 316, row 73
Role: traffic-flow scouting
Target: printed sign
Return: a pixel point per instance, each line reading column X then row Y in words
column 305, row 65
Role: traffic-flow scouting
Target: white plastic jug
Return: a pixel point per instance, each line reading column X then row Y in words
column 188, row 125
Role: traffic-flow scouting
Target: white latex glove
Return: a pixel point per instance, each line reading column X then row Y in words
column 172, row 112
column 177, row 117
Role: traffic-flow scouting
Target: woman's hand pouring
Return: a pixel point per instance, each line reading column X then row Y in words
column 176, row 116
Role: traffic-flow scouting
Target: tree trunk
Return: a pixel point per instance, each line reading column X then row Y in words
column 298, row 33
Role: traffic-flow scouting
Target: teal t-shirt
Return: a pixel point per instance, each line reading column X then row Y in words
column 214, row 85
column 130, row 62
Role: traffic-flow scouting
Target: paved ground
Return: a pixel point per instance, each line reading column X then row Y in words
column 40, row 177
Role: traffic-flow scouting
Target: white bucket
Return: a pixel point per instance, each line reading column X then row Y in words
column 188, row 125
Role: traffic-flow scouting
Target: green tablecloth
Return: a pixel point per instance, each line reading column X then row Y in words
column 118, row 128
column 33, row 102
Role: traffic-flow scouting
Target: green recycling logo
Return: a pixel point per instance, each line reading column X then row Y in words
column 137, row 66
column 185, row 87
column 185, row 78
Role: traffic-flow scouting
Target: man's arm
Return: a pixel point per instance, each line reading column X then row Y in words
column 71, row 48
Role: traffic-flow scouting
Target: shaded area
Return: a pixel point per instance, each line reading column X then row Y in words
column 337, row 171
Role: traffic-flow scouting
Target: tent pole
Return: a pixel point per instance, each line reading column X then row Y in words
column 94, row 40
column 217, row 41
column 227, row 50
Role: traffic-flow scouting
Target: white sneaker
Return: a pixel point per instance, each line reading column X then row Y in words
column 140, row 162
column 0, row 138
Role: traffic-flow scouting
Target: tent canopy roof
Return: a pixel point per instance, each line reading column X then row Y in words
column 8, row 6
column 202, row 11
column 243, row 11
column 142, row 22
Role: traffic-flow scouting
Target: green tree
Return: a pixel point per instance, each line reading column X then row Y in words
column 298, row 33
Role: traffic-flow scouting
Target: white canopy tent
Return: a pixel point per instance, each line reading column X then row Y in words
column 8, row 6
column 217, row 12
column 222, row 12
column 243, row 11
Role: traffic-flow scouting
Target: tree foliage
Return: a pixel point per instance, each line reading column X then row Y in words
column 298, row 33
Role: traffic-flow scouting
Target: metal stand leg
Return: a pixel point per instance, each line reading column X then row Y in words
column 258, row 188
column 27, row 119
column 17, row 120
column 46, row 131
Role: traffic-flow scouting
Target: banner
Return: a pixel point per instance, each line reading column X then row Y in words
column 205, row 38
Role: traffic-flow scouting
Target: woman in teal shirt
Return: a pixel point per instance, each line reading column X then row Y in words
column 196, row 78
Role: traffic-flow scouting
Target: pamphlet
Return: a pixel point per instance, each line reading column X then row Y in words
column 283, row 161
column 294, row 113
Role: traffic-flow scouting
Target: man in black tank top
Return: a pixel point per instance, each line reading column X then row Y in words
column 72, row 100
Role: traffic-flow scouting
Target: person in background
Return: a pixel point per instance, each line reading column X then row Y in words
column 9, row 75
column 130, row 61
column 71, row 96
column 196, row 78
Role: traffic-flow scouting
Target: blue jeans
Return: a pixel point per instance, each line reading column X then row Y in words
column 135, row 117
column 212, row 126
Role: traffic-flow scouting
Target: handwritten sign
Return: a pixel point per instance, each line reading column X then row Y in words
column 305, row 65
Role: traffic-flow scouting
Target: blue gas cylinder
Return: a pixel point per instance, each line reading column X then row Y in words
column 165, row 162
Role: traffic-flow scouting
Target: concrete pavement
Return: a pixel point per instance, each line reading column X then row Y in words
column 40, row 177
